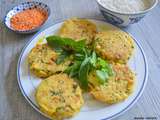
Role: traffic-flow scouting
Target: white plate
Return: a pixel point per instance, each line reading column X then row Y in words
column 92, row 110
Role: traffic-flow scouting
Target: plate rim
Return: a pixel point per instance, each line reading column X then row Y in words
column 136, row 98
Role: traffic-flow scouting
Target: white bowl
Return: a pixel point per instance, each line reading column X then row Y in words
column 124, row 19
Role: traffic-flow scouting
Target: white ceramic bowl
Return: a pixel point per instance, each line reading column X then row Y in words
column 22, row 7
column 124, row 19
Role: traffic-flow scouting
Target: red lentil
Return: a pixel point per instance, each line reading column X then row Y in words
column 28, row 19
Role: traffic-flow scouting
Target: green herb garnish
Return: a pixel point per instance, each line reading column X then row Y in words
column 62, row 57
column 84, row 60
column 73, row 70
column 83, row 72
column 65, row 43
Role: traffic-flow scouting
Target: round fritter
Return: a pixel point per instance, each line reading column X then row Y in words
column 42, row 61
column 59, row 96
column 117, row 88
column 114, row 45
column 78, row 29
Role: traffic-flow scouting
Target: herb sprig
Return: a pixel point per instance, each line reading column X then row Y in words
column 84, row 60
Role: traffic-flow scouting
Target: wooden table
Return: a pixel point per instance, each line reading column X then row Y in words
column 13, row 106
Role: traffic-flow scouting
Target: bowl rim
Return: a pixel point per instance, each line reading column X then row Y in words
column 135, row 13
column 26, row 31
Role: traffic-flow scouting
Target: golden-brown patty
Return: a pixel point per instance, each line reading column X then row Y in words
column 117, row 88
column 78, row 29
column 114, row 45
column 42, row 61
column 59, row 96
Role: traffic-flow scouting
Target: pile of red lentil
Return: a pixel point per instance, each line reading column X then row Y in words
column 28, row 19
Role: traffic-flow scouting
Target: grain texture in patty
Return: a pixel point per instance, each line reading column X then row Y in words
column 114, row 45
column 78, row 29
column 59, row 96
column 42, row 61
column 118, row 87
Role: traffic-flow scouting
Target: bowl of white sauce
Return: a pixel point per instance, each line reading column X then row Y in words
column 125, row 12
